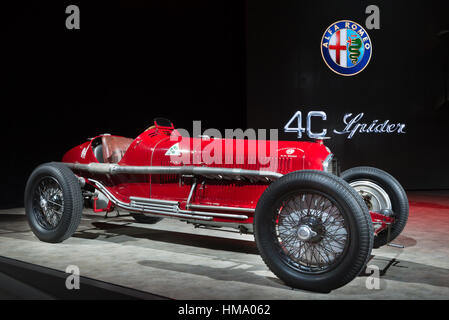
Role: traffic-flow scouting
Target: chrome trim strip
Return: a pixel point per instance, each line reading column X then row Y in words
column 176, row 210
column 107, row 168
column 154, row 207
column 192, row 189
column 149, row 200
column 126, row 206
column 214, row 214
column 202, row 206
column 165, row 207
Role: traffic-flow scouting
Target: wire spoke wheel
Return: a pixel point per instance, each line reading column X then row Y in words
column 48, row 202
column 53, row 202
column 311, row 232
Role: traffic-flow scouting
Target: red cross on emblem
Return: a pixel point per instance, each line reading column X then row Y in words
column 337, row 47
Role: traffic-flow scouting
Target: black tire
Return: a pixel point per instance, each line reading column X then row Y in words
column 66, row 202
column 359, row 238
column 396, row 193
column 141, row 218
column 363, row 207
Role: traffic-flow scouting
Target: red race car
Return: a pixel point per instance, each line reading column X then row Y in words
column 313, row 226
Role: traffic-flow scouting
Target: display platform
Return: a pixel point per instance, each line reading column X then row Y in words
column 175, row 260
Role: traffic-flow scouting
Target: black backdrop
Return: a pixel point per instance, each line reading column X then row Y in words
column 404, row 81
column 130, row 61
column 228, row 63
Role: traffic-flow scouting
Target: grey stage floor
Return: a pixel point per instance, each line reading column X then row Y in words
column 175, row 260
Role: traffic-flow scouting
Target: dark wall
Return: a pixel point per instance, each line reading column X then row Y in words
column 186, row 60
column 404, row 81
column 131, row 61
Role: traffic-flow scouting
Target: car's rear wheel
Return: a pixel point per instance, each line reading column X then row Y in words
column 141, row 218
column 312, row 231
column 380, row 191
column 53, row 202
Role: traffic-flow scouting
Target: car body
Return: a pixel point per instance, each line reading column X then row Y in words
column 215, row 197
column 308, row 222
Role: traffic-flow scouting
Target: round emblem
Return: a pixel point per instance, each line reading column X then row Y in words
column 346, row 47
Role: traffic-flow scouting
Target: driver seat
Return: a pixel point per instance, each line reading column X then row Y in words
column 114, row 148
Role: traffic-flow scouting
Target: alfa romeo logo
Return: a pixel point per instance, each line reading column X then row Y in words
column 346, row 47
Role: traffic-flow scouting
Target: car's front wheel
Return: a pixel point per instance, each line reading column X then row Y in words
column 53, row 202
column 312, row 231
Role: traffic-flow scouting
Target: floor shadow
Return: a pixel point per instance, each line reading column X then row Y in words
column 392, row 269
column 174, row 237
column 409, row 272
column 8, row 218
column 224, row 274
column 13, row 224
column 407, row 242
column 395, row 270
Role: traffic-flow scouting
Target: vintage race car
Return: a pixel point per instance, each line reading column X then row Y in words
column 313, row 226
